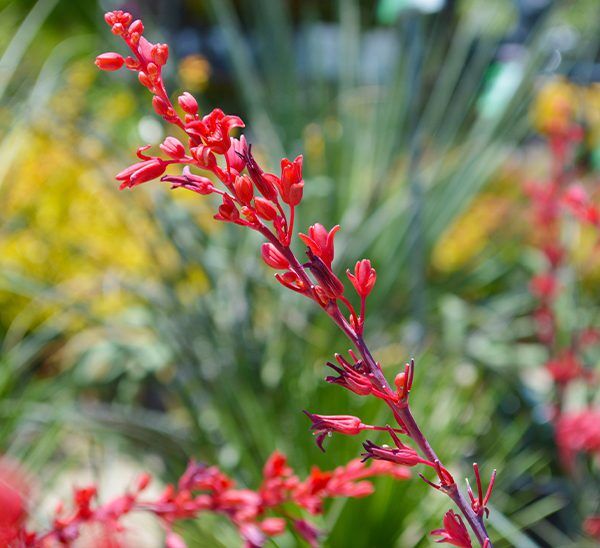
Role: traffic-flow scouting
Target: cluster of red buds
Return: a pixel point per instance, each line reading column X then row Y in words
column 550, row 200
column 257, row 515
column 265, row 202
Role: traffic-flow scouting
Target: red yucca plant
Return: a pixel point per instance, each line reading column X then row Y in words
column 551, row 201
column 257, row 515
column 266, row 202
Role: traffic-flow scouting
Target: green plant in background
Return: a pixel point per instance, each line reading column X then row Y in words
column 126, row 389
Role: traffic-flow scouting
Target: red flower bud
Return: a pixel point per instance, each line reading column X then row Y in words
column 244, row 189
column 118, row 29
column 144, row 80
column 160, row 54
column 291, row 184
column 273, row 526
column 109, row 61
column 188, row 103
column 161, row 107
column 363, row 278
column 265, row 208
column 227, row 210
column 273, row 257
column 137, row 26
column 173, row 147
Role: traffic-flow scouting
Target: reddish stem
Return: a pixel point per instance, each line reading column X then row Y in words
column 401, row 410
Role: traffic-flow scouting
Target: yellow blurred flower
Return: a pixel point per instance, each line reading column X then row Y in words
column 194, row 72
column 470, row 233
column 559, row 103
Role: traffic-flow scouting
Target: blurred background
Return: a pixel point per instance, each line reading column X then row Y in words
column 135, row 332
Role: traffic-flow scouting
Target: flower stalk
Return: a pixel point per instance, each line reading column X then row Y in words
column 265, row 202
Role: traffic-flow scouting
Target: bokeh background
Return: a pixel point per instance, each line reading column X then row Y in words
column 136, row 332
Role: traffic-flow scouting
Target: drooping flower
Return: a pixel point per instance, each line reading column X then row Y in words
column 143, row 171
column 324, row 425
column 454, row 531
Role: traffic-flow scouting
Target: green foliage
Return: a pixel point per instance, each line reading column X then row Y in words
column 221, row 370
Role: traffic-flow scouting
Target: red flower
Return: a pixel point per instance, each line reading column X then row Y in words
column 195, row 183
column 291, row 181
column 141, row 172
column 320, row 242
column 273, row 257
column 592, row 527
column 213, row 129
column 324, row 425
column 227, row 210
column 265, row 209
column 14, row 491
column 109, row 61
column 578, row 432
column 543, row 286
column 454, row 531
column 363, row 278
column 566, row 368
column 236, row 155
column 405, row 455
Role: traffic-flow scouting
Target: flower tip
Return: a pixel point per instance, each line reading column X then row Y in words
column 109, row 61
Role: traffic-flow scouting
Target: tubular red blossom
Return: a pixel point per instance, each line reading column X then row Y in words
column 351, row 378
column 265, row 209
column 235, row 156
column 195, row 183
column 109, row 61
column 213, row 129
column 273, row 257
column 364, row 277
column 406, row 456
column 291, row 183
column 454, row 531
column 324, row 425
column 141, row 172
column 320, row 242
